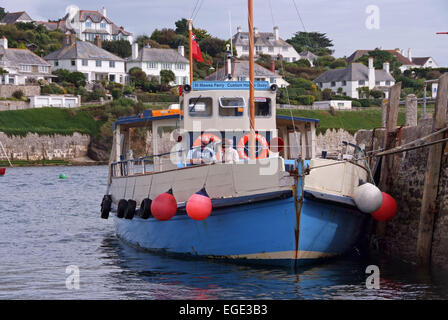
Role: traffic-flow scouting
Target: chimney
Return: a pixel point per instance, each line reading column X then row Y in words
column 104, row 12
column 273, row 66
column 255, row 30
column 371, row 74
column 386, row 67
column 135, row 51
column 409, row 54
column 276, row 36
column 69, row 39
column 97, row 41
column 228, row 63
column 181, row 50
column 239, row 30
column 4, row 42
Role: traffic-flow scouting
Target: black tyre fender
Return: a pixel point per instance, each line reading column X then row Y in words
column 106, row 206
column 122, row 206
column 130, row 210
column 145, row 208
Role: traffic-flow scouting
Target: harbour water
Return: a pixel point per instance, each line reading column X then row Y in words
column 49, row 224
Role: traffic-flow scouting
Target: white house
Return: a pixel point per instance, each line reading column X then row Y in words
column 240, row 72
column 88, row 24
column 15, row 17
column 356, row 75
column 153, row 60
column 82, row 56
column 268, row 43
column 22, row 65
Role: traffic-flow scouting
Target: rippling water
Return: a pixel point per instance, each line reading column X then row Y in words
column 48, row 224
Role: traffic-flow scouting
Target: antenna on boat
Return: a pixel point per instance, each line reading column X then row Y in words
column 251, row 81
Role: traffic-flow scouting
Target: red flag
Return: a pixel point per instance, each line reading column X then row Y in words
column 197, row 54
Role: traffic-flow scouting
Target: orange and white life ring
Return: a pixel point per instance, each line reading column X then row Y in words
column 261, row 141
column 207, row 136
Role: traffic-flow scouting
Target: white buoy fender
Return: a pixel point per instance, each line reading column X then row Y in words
column 368, row 198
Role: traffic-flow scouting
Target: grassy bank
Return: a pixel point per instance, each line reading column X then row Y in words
column 350, row 121
column 48, row 121
column 27, row 163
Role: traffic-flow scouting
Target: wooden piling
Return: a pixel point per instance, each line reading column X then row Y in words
column 432, row 175
column 391, row 117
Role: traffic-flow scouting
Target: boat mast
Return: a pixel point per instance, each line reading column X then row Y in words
column 190, row 40
column 251, row 81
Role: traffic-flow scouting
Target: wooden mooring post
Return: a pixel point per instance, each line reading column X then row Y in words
column 432, row 176
column 391, row 119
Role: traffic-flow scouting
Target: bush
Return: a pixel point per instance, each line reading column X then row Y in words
column 157, row 97
column 305, row 100
column 116, row 93
column 127, row 90
column 356, row 104
column 18, row 94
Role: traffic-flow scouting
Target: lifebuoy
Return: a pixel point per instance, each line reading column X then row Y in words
column 261, row 140
column 211, row 137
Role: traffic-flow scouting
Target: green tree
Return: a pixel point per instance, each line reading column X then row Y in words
column 212, row 45
column 2, row 13
column 316, row 42
column 379, row 57
column 167, row 76
column 121, row 48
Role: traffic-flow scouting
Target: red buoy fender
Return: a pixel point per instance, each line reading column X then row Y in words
column 199, row 206
column 164, row 206
column 388, row 209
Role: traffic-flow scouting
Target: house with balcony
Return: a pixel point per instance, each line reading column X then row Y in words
column 349, row 80
column 268, row 43
column 153, row 60
column 88, row 58
column 88, row 24
column 22, row 66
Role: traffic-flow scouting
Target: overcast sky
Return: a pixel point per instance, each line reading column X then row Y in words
column 402, row 23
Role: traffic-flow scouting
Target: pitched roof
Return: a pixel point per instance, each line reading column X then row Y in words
column 353, row 72
column 52, row 26
column 260, row 39
column 15, row 57
column 420, row 60
column 82, row 50
column 94, row 16
column 159, row 55
column 359, row 53
column 240, row 68
column 12, row 17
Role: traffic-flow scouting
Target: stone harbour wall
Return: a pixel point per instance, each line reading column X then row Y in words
column 34, row 147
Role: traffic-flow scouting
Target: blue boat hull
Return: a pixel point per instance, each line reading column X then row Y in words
column 269, row 232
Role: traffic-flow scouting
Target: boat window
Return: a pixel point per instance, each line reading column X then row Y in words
column 231, row 106
column 200, row 107
column 263, row 107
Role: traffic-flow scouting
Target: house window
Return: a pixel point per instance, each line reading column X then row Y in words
column 377, row 83
column 98, row 63
column 333, row 83
column 111, row 64
column 271, row 49
column 200, row 107
column 259, row 48
column 361, row 82
column 73, row 62
column 44, row 69
column 56, row 63
column 180, row 66
column 112, row 78
column 286, row 59
column 166, row 66
column 86, row 75
column 90, row 36
column 387, row 83
column 344, row 83
column 88, row 24
column 272, row 80
column 11, row 80
column 103, row 25
column 25, row 68
column 85, row 62
column 245, row 48
column 151, row 65
column 285, row 48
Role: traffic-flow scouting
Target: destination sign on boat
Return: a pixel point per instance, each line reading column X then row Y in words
column 229, row 85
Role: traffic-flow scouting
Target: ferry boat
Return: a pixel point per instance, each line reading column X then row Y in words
column 274, row 205
column 280, row 208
